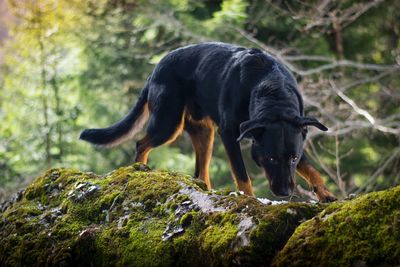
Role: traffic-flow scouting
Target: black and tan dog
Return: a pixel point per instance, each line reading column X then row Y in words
column 245, row 92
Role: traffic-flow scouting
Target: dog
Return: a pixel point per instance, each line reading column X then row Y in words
column 245, row 92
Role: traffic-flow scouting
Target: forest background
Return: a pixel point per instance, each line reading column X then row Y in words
column 66, row 65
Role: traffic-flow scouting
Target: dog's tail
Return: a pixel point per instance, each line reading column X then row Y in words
column 122, row 130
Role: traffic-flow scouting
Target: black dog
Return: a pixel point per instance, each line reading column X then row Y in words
column 245, row 92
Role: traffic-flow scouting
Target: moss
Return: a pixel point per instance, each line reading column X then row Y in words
column 134, row 216
column 145, row 247
column 218, row 238
column 187, row 218
column 364, row 231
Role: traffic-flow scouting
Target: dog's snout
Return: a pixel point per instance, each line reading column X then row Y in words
column 282, row 187
column 282, row 191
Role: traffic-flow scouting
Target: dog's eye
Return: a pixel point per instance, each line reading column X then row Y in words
column 272, row 160
column 293, row 159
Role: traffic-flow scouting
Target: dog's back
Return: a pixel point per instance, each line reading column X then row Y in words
column 206, row 74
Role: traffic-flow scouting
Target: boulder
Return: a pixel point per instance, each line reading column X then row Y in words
column 134, row 216
column 362, row 232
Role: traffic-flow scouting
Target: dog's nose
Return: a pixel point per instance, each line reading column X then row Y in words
column 282, row 192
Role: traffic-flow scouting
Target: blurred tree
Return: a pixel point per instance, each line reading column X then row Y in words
column 37, row 100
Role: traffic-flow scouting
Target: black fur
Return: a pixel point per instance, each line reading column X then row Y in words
column 108, row 135
column 246, row 92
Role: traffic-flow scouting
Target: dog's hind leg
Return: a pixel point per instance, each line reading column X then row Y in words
column 202, row 135
column 165, row 123
column 143, row 148
column 313, row 178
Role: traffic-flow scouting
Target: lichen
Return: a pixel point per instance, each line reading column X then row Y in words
column 361, row 232
column 134, row 216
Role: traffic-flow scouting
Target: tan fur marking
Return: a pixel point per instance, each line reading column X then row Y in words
column 136, row 128
column 178, row 130
column 241, row 185
column 144, row 146
column 246, row 187
column 202, row 135
column 143, row 149
column 313, row 178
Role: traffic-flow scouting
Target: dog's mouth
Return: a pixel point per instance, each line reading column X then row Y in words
column 280, row 190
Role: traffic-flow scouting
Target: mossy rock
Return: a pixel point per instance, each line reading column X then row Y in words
column 361, row 232
column 138, row 217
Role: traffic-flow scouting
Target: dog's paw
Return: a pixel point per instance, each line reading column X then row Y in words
column 324, row 195
column 328, row 198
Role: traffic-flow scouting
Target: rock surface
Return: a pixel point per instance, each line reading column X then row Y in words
column 361, row 232
column 137, row 217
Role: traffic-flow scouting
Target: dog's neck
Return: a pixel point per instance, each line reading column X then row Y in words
column 275, row 98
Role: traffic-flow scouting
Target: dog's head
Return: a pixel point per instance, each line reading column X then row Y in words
column 277, row 147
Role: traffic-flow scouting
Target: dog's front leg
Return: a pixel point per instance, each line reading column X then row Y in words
column 313, row 178
column 232, row 148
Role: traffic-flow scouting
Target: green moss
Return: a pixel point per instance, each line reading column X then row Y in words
column 217, row 238
column 273, row 230
column 137, row 217
column 363, row 231
column 187, row 218
column 144, row 246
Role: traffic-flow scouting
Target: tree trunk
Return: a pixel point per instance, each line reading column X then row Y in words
column 337, row 33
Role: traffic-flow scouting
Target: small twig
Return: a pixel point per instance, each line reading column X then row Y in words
column 307, row 193
column 341, row 183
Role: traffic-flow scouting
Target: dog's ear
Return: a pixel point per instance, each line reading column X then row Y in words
column 250, row 129
column 310, row 121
